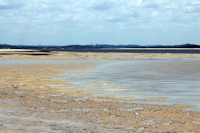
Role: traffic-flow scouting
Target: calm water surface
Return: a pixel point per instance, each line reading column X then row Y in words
column 178, row 79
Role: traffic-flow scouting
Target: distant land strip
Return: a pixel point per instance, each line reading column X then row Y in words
column 182, row 49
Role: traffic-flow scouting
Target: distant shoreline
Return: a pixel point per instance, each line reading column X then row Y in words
column 113, row 50
column 132, row 50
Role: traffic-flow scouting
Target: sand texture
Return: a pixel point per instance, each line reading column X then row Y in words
column 36, row 97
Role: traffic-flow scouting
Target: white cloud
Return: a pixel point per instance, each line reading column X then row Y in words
column 91, row 18
column 2, row 2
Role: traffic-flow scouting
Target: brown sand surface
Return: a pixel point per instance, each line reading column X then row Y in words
column 33, row 100
column 131, row 98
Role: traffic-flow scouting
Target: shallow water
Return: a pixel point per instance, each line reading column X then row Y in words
column 178, row 79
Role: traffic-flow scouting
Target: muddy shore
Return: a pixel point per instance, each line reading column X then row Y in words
column 33, row 97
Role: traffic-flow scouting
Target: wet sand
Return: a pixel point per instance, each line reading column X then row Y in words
column 36, row 96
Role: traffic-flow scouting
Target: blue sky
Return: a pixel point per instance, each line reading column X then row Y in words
column 64, row 22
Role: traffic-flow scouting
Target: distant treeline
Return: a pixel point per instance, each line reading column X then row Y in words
column 96, row 46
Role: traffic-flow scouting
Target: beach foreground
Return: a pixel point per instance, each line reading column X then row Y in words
column 48, row 92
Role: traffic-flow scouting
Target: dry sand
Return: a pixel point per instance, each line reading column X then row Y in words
column 31, row 101
column 66, row 55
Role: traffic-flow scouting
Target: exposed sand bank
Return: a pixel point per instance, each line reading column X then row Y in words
column 65, row 55
column 34, row 99
column 131, row 98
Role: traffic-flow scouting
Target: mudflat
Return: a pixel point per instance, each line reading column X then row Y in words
column 70, row 92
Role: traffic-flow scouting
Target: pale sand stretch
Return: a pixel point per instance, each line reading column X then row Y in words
column 31, row 101
column 66, row 55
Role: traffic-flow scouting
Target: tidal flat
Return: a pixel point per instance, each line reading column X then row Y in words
column 99, row 92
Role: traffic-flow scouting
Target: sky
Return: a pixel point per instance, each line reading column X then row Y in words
column 66, row 22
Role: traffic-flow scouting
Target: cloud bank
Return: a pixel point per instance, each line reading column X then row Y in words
column 144, row 22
